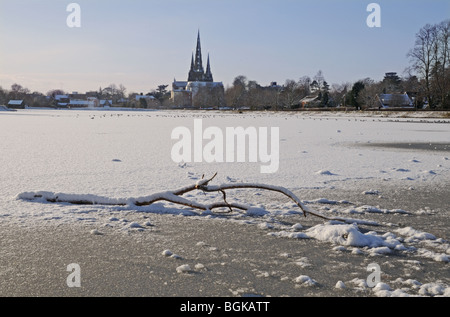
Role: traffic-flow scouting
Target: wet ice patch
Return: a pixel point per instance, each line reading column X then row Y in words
column 288, row 234
column 326, row 201
column 303, row 262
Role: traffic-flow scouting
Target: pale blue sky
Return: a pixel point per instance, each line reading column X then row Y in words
column 142, row 44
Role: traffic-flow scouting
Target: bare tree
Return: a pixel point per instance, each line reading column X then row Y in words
column 18, row 91
column 236, row 95
column 423, row 56
column 304, row 85
column 121, row 91
column 441, row 71
column 338, row 93
column 254, row 95
column 368, row 97
column 291, row 94
column 54, row 92
column 3, row 96
column 319, row 78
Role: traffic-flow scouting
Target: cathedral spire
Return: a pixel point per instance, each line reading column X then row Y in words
column 208, row 74
column 192, row 62
column 198, row 55
column 197, row 73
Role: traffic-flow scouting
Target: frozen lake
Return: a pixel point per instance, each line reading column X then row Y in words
column 346, row 165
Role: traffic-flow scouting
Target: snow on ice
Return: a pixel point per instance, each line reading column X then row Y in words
column 122, row 156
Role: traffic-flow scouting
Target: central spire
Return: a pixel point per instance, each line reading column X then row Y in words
column 197, row 73
column 198, row 55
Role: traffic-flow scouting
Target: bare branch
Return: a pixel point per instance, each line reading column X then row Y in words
column 174, row 197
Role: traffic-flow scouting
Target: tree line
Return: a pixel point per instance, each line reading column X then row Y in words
column 426, row 81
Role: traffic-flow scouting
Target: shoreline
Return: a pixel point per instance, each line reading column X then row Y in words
column 380, row 113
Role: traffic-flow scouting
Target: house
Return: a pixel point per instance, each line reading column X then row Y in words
column 122, row 101
column 147, row 101
column 179, row 95
column 105, row 103
column 74, row 103
column 310, row 101
column 16, row 104
column 395, row 100
column 61, row 100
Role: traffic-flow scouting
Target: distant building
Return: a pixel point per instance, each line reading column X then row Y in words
column 62, row 100
column 147, row 101
column 199, row 90
column 93, row 102
column 274, row 85
column 106, row 103
column 310, row 101
column 395, row 100
column 75, row 103
column 16, row 104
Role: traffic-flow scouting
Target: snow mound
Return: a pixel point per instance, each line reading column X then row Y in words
column 305, row 280
column 255, row 211
column 349, row 235
column 185, row 268
column 433, row 289
column 414, row 234
column 371, row 192
column 167, row 253
column 324, row 172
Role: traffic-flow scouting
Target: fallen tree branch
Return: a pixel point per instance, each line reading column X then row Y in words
column 174, row 197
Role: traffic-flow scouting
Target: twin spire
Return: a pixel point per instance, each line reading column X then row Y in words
column 196, row 72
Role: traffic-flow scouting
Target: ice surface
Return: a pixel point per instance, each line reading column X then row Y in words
column 117, row 157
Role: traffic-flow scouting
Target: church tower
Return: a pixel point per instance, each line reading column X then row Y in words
column 199, row 90
column 197, row 73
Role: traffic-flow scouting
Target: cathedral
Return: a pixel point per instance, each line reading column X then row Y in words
column 199, row 90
